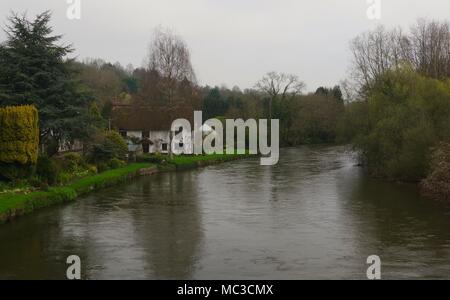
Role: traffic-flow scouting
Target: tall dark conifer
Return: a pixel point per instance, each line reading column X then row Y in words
column 35, row 69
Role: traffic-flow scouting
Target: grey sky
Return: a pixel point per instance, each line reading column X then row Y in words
column 233, row 42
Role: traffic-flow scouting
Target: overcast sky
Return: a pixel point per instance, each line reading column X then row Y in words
column 233, row 42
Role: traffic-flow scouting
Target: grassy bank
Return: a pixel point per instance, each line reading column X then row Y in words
column 193, row 161
column 15, row 204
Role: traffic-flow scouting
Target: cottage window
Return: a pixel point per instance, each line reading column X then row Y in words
column 123, row 133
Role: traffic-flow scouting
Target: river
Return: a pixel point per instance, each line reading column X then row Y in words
column 315, row 215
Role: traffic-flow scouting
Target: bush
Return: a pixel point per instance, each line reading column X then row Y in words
column 65, row 177
column 72, row 162
column 116, row 163
column 15, row 171
column 102, row 167
column 117, row 144
column 111, row 146
column 92, row 169
column 405, row 116
column 19, row 141
column 47, row 170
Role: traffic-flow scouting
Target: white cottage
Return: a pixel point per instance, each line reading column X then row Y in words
column 150, row 127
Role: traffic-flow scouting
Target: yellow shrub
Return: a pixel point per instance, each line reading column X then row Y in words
column 19, row 135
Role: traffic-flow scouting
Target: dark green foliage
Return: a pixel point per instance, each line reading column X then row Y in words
column 47, row 170
column 353, row 121
column 310, row 119
column 334, row 92
column 116, row 163
column 405, row 115
column 72, row 162
column 35, row 70
column 15, row 171
column 111, row 146
column 132, row 84
column 304, row 119
column 214, row 104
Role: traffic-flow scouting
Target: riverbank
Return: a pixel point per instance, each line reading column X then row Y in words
column 13, row 205
column 315, row 196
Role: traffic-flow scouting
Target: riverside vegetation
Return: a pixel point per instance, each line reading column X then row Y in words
column 18, row 201
column 395, row 110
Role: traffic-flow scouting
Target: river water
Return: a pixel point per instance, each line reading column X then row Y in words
column 315, row 215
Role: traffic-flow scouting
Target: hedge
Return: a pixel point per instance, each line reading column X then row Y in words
column 19, row 140
column 19, row 134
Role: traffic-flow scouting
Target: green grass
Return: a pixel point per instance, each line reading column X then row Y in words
column 14, row 204
column 197, row 160
column 108, row 178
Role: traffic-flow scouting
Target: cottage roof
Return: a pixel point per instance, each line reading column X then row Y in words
column 148, row 118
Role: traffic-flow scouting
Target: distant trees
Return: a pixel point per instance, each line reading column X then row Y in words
column 214, row 104
column 309, row 119
column 334, row 92
column 279, row 86
column 35, row 70
column 107, row 83
column 304, row 119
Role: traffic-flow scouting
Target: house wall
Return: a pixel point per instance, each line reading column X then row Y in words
column 136, row 134
column 163, row 137
column 65, row 146
column 159, row 138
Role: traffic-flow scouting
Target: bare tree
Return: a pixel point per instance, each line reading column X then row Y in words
column 375, row 52
column 279, row 85
column 431, row 48
column 426, row 48
column 169, row 56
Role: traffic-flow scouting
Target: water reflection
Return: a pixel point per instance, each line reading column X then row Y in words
column 314, row 215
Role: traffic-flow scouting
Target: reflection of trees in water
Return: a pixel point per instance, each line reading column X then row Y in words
column 170, row 224
column 21, row 256
column 31, row 247
column 150, row 228
column 393, row 220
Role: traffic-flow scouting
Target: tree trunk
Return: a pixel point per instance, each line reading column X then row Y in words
column 170, row 144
